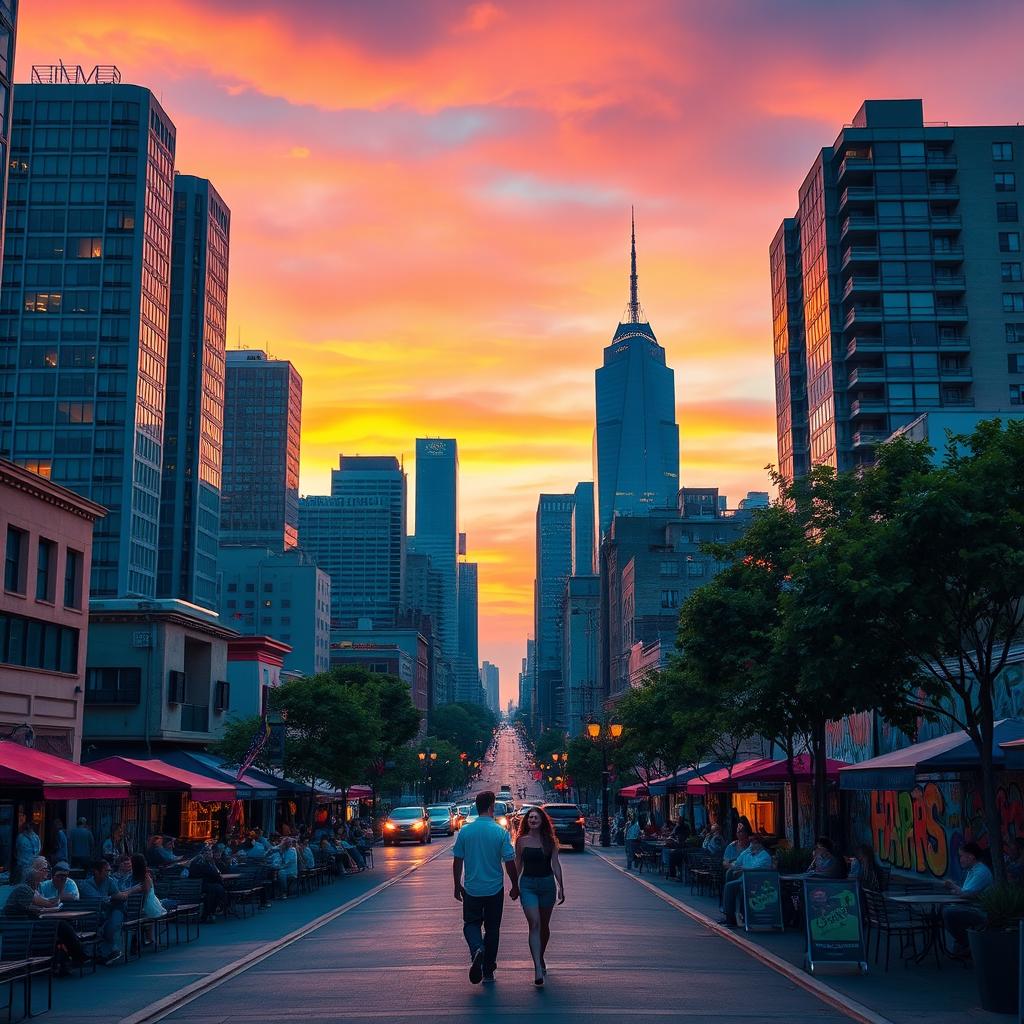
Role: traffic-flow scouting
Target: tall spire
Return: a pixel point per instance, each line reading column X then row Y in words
column 634, row 314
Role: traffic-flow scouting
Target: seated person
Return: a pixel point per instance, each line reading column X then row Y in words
column 713, row 841
column 864, row 868
column 25, row 901
column 736, row 847
column 753, row 858
column 289, row 872
column 62, row 886
column 99, row 884
column 306, row 858
column 673, row 853
column 826, row 863
column 958, row 919
column 215, row 895
column 157, row 855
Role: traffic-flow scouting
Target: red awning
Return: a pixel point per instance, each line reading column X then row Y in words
column 634, row 792
column 803, row 769
column 723, row 779
column 58, row 778
column 156, row 774
column 359, row 793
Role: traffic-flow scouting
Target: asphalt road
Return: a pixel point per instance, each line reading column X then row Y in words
column 617, row 951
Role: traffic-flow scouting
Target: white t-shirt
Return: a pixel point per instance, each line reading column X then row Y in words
column 49, row 890
column 484, row 846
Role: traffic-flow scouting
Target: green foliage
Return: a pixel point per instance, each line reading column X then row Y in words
column 651, row 744
column 467, row 726
column 234, row 744
column 584, row 762
column 1003, row 905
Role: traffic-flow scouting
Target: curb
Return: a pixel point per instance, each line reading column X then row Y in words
column 169, row 1004
column 832, row 997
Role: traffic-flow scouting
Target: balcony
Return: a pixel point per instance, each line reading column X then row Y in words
column 864, row 345
column 956, row 373
column 859, row 283
column 868, row 375
column 868, row 438
column 857, row 194
column 942, row 161
column 945, row 221
column 855, row 163
column 944, row 189
column 948, row 254
column 860, row 254
column 951, row 312
column 954, row 342
column 867, row 407
column 195, row 718
column 863, row 315
column 859, row 222
column 950, row 283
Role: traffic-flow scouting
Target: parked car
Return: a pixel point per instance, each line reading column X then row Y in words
column 441, row 821
column 406, row 824
column 458, row 818
column 568, row 821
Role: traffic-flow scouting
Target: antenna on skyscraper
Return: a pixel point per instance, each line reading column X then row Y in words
column 634, row 314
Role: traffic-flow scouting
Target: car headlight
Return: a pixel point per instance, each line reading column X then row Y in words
column 388, row 827
column 417, row 825
column 503, row 821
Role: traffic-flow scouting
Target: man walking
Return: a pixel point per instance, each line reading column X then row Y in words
column 482, row 847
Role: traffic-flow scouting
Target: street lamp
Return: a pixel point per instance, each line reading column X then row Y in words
column 427, row 758
column 604, row 736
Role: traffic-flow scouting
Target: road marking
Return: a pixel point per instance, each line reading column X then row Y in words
column 832, row 997
column 162, row 1008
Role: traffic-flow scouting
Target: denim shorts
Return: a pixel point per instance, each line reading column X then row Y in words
column 537, row 892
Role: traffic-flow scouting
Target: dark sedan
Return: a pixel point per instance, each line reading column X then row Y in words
column 568, row 821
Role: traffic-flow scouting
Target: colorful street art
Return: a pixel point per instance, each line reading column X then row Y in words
column 921, row 831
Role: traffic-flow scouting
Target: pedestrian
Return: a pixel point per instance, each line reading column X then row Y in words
column 26, row 848
column 82, row 843
column 482, row 847
column 633, row 837
column 59, row 847
column 540, row 883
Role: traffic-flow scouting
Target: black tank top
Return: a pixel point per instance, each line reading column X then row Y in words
column 536, row 863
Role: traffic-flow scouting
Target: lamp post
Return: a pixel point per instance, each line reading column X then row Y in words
column 609, row 733
column 427, row 760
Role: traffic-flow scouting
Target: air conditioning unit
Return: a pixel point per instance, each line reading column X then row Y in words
column 176, row 688
column 222, row 695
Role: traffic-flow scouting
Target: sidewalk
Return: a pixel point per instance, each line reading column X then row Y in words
column 907, row 994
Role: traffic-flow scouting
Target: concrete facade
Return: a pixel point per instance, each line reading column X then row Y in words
column 255, row 664
column 404, row 653
column 47, row 532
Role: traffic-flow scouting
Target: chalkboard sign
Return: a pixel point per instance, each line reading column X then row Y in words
column 835, row 933
column 762, row 900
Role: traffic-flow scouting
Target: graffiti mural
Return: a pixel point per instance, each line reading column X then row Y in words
column 851, row 738
column 920, row 831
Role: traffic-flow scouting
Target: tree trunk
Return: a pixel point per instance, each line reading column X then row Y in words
column 993, row 822
column 794, row 796
column 820, row 777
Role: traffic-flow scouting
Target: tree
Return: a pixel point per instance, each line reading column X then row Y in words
column 651, row 744
column 957, row 546
column 468, row 726
column 234, row 744
column 584, row 764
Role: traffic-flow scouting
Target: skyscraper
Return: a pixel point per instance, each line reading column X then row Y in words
column 357, row 536
column 554, row 566
column 636, row 440
column 583, row 547
column 489, row 679
column 194, row 424
column 262, row 421
column 8, row 27
column 437, row 529
column 468, row 667
column 84, row 316
column 897, row 287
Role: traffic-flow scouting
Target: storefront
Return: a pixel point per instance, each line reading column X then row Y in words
column 37, row 789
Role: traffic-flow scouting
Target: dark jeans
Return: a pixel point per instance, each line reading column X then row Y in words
column 958, row 919
column 483, row 911
column 215, row 898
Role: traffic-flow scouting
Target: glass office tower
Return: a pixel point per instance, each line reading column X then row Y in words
column 897, row 288
column 467, row 676
column 8, row 26
column 194, row 425
column 259, row 502
column 84, row 314
column 636, row 441
column 554, row 566
column 437, row 529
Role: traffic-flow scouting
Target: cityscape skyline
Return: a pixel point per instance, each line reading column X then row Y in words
column 498, row 271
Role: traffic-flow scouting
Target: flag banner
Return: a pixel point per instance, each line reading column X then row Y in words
column 256, row 745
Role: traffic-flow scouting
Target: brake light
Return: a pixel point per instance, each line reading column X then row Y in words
column 581, row 821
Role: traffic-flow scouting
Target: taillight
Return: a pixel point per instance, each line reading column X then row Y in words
column 581, row 821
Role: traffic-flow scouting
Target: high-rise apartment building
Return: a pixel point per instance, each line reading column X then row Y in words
column 489, row 679
column 194, row 420
column 897, row 287
column 357, row 536
column 526, row 680
column 554, row 566
column 437, row 529
column 262, row 422
column 85, row 305
column 583, row 547
column 467, row 673
column 8, row 31
column 636, row 440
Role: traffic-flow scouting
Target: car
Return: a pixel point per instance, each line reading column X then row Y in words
column 441, row 821
column 464, row 812
column 405, row 824
column 458, row 818
column 502, row 813
column 568, row 821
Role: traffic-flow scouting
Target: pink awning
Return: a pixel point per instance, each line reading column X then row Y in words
column 58, row 778
column 156, row 774
column 634, row 792
column 717, row 782
column 359, row 793
column 803, row 769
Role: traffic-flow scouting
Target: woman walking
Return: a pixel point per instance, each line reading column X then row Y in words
column 540, row 882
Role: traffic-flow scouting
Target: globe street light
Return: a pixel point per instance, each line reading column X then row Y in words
column 605, row 736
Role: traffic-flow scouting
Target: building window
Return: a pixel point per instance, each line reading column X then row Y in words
column 1006, row 213
column 695, row 569
column 1015, row 363
column 15, row 558
column 46, row 569
column 286, row 602
column 74, row 561
column 1015, row 393
column 670, row 599
column 250, row 588
column 1002, row 150
column 1015, row 334
column 1013, row 302
column 112, row 685
column 1005, row 181
column 232, row 588
column 669, row 569
column 1009, row 241
column 268, row 588
column 34, row 643
column 1009, row 272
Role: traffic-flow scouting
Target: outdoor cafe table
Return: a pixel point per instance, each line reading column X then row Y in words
column 930, row 905
column 65, row 915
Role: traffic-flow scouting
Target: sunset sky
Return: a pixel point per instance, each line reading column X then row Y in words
column 430, row 207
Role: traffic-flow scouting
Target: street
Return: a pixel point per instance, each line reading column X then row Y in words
column 617, row 950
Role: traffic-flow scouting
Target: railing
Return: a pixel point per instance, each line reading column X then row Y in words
column 865, row 253
column 195, row 718
column 865, row 375
column 860, row 283
column 863, row 437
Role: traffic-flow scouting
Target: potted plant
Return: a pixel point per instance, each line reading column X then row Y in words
column 995, row 947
